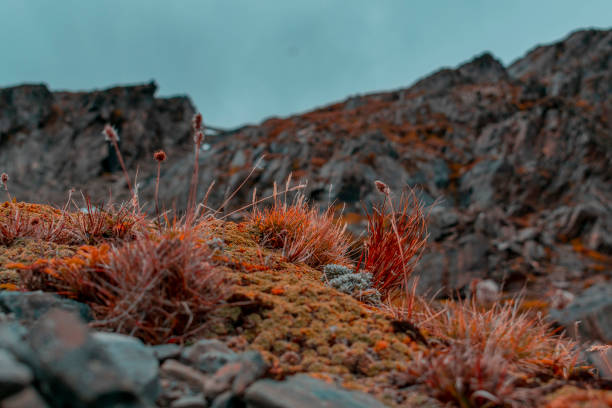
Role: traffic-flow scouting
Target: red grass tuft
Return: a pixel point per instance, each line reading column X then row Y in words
column 467, row 376
column 157, row 288
column 482, row 356
column 15, row 225
column 94, row 224
column 305, row 234
column 394, row 242
column 527, row 341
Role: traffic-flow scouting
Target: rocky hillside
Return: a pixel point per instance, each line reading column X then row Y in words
column 517, row 159
column 51, row 142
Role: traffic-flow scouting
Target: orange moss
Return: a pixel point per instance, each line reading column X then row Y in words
column 572, row 397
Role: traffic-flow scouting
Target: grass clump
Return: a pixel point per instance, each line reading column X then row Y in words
column 302, row 232
column 87, row 226
column 157, row 288
column 394, row 241
column 489, row 357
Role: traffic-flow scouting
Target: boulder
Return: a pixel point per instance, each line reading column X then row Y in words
column 30, row 306
column 589, row 316
column 14, row 376
column 303, row 391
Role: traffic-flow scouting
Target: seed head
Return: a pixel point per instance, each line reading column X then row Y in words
column 197, row 122
column 601, row 348
column 382, row 187
column 4, row 178
column 160, row 156
column 198, row 138
column 110, row 134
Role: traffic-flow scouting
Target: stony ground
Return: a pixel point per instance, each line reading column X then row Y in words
column 279, row 322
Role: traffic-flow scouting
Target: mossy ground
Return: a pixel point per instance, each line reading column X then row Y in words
column 285, row 311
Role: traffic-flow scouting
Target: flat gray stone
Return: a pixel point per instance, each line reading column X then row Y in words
column 30, row 306
column 593, row 309
column 135, row 360
column 208, row 355
column 303, row 391
column 73, row 369
column 190, row 401
column 236, row 376
column 165, row 352
column 14, row 376
column 27, row 398
column 227, row 400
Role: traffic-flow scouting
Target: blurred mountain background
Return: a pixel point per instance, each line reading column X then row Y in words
column 514, row 150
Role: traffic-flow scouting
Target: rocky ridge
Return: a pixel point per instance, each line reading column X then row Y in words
column 516, row 158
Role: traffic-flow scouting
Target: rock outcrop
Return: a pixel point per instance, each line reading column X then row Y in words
column 517, row 159
column 51, row 142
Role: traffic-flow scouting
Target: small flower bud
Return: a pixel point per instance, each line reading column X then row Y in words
column 110, row 133
column 382, row 187
column 160, row 156
column 198, row 138
column 197, row 122
column 4, row 178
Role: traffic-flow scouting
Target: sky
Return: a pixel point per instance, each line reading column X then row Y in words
column 242, row 61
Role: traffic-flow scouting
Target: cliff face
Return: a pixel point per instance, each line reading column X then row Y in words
column 51, row 141
column 519, row 158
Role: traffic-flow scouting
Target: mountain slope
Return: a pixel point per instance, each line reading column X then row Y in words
column 516, row 158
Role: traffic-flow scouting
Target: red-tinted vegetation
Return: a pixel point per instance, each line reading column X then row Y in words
column 157, row 288
column 394, row 242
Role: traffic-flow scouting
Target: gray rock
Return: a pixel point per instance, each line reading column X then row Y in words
column 533, row 251
column 14, row 338
column 593, row 310
column 441, row 173
column 580, row 220
column 14, row 376
column 27, row 398
column 227, row 400
column 164, row 352
column 479, row 185
column 182, row 372
column 30, row 306
column 190, row 401
column 600, row 359
column 303, row 391
column 134, row 360
column 441, row 222
column 208, row 355
column 525, row 145
column 73, row 369
column 473, row 249
column 211, row 361
column 236, row 376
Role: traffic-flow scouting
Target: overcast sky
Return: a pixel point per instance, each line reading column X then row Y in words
column 244, row 60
